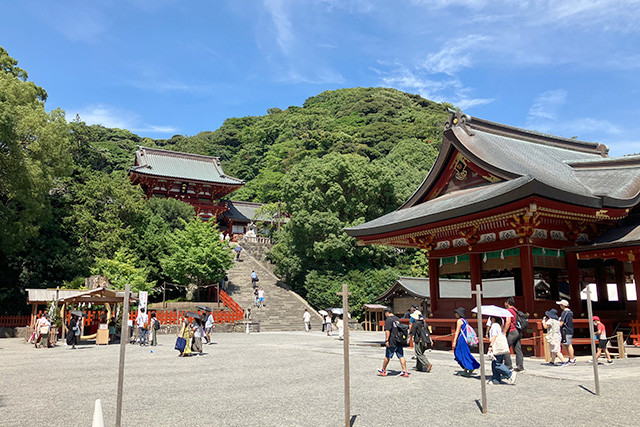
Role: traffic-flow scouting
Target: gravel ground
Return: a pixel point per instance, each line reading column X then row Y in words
column 295, row 379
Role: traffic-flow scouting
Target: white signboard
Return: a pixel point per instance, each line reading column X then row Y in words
column 143, row 295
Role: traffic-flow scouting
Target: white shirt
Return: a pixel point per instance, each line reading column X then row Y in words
column 307, row 317
column 142, row 319
column 260, row 293
column 495, row 330
column 209, row 323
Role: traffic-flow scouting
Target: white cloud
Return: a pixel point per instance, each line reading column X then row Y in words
column 546, row 105
column 117, row 118
column 545, row 115
column 455, row 54
column 282, row 24
column 449, row 89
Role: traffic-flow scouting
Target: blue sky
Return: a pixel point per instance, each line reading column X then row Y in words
column 163, row 67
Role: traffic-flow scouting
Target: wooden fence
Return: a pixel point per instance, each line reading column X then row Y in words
column 14, row 321
column 231, row 314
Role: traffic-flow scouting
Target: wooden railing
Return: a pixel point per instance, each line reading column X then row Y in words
column 14, row 321
column 166, row 317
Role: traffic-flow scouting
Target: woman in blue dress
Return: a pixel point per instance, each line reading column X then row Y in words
column 461, row 350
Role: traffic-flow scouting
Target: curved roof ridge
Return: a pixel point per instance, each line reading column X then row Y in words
column 530, row 135
column 180, row 154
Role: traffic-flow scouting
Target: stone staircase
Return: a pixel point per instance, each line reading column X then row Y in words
column 283, row 308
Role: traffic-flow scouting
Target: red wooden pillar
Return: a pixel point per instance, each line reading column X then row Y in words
column 434, row 283
column 601, row 281
column 636, row 279
column 526, row 274
column 475, row 267
column 621, row 284
column 574, row 283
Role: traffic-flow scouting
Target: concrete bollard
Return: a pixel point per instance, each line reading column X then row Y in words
column 98, row 419
column 247, row 328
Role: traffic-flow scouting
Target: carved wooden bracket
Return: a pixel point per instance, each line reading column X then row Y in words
column 524, row 224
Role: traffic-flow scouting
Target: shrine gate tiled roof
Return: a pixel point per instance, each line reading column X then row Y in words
column 181, row 166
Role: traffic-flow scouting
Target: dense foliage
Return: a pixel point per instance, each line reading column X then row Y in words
column 68, row 209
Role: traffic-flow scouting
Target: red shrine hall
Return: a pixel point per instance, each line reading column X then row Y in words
column 191, row 178
column 552, row 214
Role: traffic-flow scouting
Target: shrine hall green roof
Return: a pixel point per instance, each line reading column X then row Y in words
column 181, row 166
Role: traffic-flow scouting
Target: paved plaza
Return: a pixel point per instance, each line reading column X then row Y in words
column 295, row 379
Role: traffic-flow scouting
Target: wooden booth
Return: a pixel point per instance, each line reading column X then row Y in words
column 508, row 203
column 80, row 298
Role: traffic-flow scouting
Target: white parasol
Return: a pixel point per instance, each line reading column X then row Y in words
column 493, row 310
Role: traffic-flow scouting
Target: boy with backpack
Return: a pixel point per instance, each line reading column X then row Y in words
column 514, row 328
column 396, row 337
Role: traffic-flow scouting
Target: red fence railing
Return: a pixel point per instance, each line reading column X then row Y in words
column 14, row 321
column 166, row 317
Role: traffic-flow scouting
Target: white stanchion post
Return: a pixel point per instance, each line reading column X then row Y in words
column 98, row 419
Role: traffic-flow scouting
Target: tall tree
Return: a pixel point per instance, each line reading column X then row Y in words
column 196, row 256
column 34, row 151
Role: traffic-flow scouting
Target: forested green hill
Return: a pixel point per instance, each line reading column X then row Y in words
column 343, row 157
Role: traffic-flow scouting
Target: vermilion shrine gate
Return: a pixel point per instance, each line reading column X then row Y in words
column 191, row 178
column 507, row 202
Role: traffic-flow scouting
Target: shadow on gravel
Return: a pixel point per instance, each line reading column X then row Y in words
column 479, row 405
column 586, row 389
column 353, row 420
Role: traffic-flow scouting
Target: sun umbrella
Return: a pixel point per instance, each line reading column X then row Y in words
column 493, row 310
column 337, row 311
column 78, row 313
column 322, row 312
column 194, row 315
column 203, row 307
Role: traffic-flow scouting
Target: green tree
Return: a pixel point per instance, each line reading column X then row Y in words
column 196, row 256
column 34, row 152
column 107, row 214
column 123, row 268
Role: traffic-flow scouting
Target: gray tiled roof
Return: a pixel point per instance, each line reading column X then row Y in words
column 528, row 164
column 463, row 202
column 242, row 211
column 174, row 164
column 626, row 234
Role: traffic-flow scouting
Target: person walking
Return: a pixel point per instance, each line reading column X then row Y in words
column 255, row 297
column 392, row 345
column 261, row 297
column 155, row 327
column 498, row 369
column 421, row 340
column 208, row 327
column 254, row 278
column 514, row 337
column 142, row 321
column 306, row 317
column 198, row 333
column 328, row 324
column 601, row 334
column 238, row 249
column 461, row 351
column 72, row 337
column 566, row 329
column 340, row 326
column 42, row 327
column 186, row 333
column 551, row 323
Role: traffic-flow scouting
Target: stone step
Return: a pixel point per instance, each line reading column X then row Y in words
column 283, row 309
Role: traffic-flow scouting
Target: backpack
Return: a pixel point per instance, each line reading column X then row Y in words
column 469, row 334
column 521, row 321
column 401, row 334
column 156, row 325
